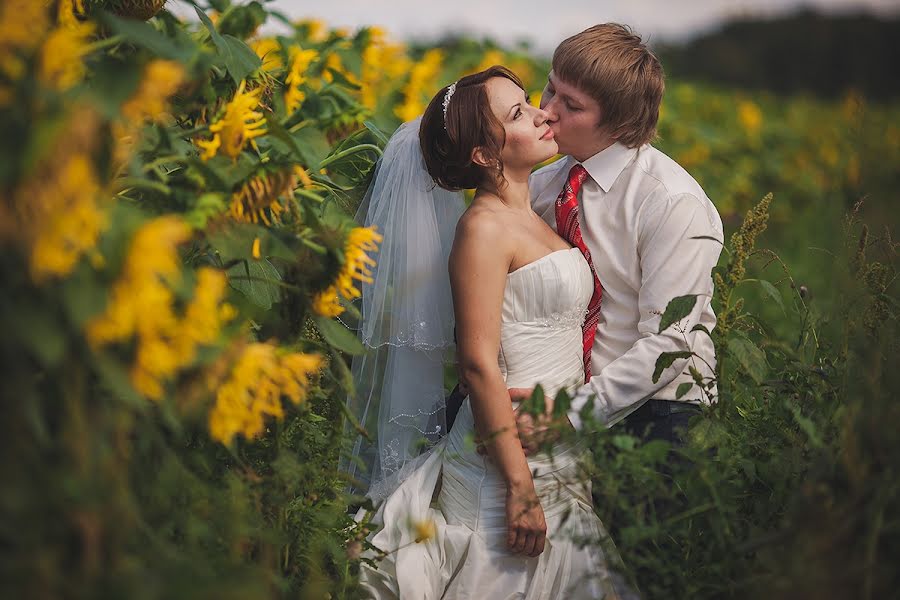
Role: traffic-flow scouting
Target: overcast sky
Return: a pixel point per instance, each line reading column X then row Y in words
column 547, row 23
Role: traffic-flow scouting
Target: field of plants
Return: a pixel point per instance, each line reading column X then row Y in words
column 176, row 219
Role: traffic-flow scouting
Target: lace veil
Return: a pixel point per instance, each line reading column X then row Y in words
column 406, row 320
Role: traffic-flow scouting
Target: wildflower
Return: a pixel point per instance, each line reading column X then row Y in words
column 357, row 266
column 240, row 124
column 356, row 261
column 695, row 155
column 144, row 9
column 161, row 80
column 61, row 217
column 269, row 50
column 210, row 147
column 205, row 315
column 253, row 391
column 61, row 65
column 303, row 175
column 750, row 117
column 316, row 29
column 743, row 241
column 421, row 79
column 333, row 63
column 521, row 67
column 19, row 20
column 300, row 61
column 382, row 64
column 69, row 11
column 424, row 530
column 141, row 298
column 490, row 58
column 258, row 199
column 141, row 306
column 377, row 33
column 327, row 302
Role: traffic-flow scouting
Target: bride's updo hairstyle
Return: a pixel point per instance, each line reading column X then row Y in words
column 470, row 124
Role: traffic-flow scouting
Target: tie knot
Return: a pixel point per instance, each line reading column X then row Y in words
column 577, row 175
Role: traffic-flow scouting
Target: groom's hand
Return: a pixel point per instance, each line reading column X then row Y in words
column 532, row 432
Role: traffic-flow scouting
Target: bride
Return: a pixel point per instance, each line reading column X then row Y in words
column 451, row 523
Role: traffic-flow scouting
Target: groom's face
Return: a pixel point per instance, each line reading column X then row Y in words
column 574, row 117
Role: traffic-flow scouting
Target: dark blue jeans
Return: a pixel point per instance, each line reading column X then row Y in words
column 665, row 420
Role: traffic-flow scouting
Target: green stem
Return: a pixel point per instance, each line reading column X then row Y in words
column 102, row 44
column 163, row 160
column 126, row 183
column 348, row 152
column 309, row 194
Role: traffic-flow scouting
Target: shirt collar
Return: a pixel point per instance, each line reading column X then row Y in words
column 606, row 166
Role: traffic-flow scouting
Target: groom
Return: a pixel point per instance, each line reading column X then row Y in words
column 637, row 214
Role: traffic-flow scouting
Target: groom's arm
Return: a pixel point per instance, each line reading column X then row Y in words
column 672, row 265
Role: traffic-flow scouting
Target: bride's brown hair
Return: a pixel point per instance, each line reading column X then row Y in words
column 470, row 124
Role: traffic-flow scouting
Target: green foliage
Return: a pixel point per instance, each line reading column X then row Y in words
column 779, row 491
column 786, row 489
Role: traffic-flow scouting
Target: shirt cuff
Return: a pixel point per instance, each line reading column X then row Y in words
column 581, row 398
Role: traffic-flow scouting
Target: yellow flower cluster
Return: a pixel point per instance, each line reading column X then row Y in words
column 26, row 26
column 489, row 59
column 56, row 213
column 61, row 65
column 141, row 305
column 241, row 123
column 19, row 20
column 62, row 217
column 300, row 60
column 69, row 11
column 258, row 199
column 422, row 79
column 253, row 392
column 334, row 63
column 269, row 50
column 750, row 117
column 383, row 63
column 316, row 29
column 161, row 80
column 424, row 530
column 357, row 265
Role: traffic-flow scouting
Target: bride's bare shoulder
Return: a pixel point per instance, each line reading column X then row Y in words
column 480, row 231
column 480, row 223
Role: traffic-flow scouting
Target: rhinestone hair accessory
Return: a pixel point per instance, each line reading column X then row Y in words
column 446, row 103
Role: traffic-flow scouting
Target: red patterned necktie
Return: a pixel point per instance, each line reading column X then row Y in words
column 567, row 227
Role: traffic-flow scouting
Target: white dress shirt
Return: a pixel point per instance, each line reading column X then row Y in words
column 638, row 211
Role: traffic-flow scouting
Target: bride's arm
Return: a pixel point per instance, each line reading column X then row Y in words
column 479, row 263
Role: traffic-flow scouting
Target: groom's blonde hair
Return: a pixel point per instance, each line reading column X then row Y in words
column 611, row 64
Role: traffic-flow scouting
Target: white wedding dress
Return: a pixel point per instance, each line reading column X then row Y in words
column 464, row 494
